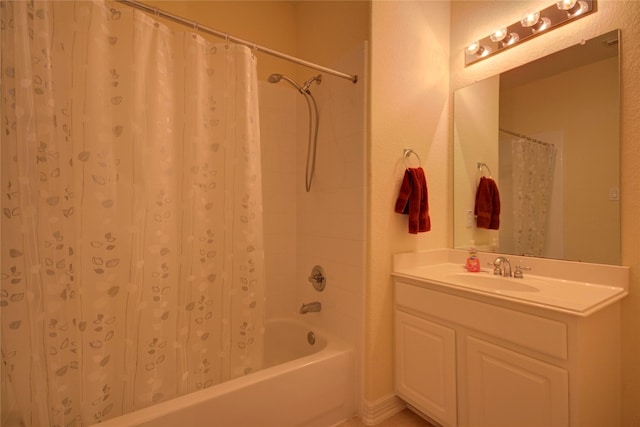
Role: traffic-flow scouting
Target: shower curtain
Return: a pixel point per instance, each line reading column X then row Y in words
column 532, row 181
column 132, row 251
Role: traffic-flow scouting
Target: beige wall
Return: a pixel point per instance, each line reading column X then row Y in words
column 409, row 109
column 625, row 15
column 326, row 30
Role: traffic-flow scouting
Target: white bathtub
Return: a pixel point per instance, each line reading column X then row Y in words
column 301, row 385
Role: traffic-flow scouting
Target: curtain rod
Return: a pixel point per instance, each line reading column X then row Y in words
column 177, row 19
column 528, row 138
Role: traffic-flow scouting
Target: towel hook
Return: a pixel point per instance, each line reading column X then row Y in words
column 484, row 165
column 407, row 153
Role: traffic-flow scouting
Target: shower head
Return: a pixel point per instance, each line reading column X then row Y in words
column 275, row 78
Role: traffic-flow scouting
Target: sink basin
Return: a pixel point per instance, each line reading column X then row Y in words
column 492, row 282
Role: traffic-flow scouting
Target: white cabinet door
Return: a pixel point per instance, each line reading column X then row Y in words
column 425, row 367
column 506, row 388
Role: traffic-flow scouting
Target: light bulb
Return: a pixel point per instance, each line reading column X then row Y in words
column 498, row 35
column 530, row 19
column 566, row 4
column 476, row 48
column 473, row 48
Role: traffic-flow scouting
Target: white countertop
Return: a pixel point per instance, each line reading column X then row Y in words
column 562, row 287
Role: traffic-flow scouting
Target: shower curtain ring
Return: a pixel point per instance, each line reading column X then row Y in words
column 157, row 14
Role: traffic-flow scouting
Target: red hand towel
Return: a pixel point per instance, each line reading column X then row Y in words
column 487, row 207
column 412, row 200
column 424, row 221
column 494, row 224
column 402, row 203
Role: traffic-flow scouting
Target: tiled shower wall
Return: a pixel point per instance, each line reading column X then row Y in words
column 327, row 225
column 278, row 138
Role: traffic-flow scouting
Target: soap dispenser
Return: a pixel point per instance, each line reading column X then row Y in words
column 473, row 262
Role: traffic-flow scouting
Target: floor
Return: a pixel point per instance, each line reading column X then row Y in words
column 405, row 418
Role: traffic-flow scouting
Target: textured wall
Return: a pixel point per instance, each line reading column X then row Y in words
column 409, row 109
column 625, row 15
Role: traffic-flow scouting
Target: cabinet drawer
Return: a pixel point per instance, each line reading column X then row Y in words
column 536, row 333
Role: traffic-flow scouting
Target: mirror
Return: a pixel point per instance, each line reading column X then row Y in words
column 547, row 134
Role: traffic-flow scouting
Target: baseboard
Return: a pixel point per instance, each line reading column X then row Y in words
column 375, row 412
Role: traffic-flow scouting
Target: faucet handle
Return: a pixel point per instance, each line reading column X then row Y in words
column 317, row 278
column 518, row 273
column 496, row 270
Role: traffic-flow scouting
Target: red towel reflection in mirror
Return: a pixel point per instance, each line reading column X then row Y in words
column 487, row 208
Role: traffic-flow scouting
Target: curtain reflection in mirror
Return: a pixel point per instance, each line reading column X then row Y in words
column 532, row 171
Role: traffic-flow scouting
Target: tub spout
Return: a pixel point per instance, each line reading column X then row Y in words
column 311, row 307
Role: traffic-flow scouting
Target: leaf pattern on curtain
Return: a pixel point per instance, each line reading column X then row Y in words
column 532, row 178
column 132, row 248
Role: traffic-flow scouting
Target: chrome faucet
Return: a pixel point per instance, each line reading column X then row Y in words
column 311, row 307
column 502, row 266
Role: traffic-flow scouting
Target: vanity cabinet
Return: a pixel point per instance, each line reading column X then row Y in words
column 467, row 360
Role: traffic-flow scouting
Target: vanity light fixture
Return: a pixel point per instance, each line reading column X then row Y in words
column 531, row 25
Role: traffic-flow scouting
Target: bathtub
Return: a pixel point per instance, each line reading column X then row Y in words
column 301, row 385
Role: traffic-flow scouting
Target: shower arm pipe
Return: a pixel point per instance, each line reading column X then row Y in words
column 207, row 30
